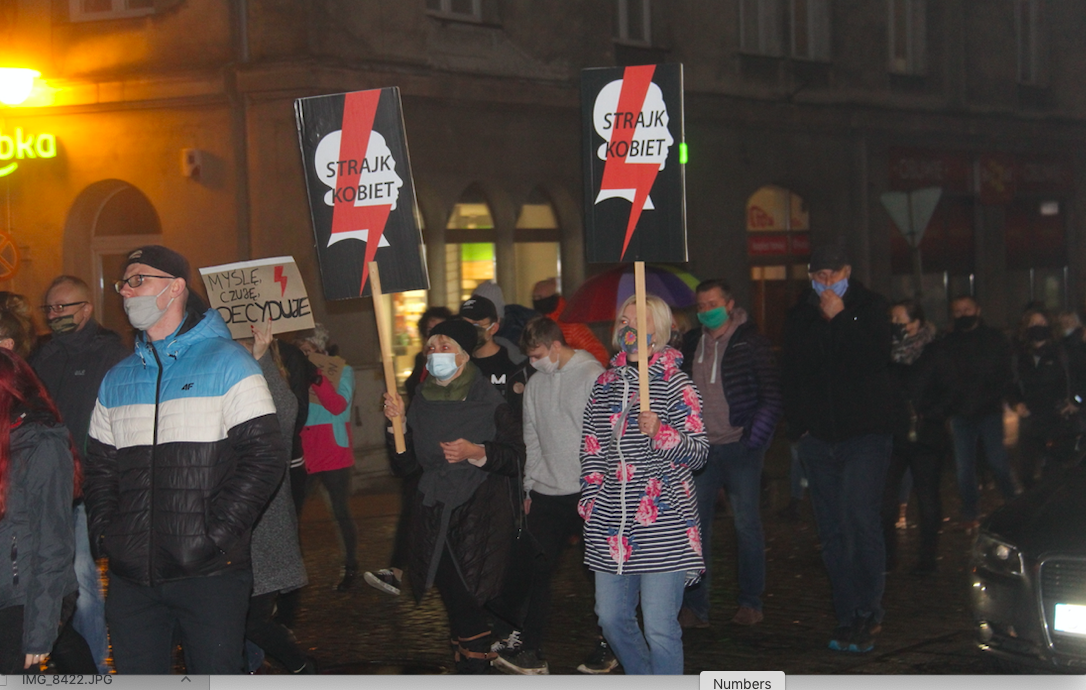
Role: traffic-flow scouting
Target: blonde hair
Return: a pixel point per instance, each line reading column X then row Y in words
column 655, row 308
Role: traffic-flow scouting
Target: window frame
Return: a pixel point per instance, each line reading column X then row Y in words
column 446, row 11
column 916, row 38
column 1029, row 46
column 622, row 15
column 119, row 10
column 769, row 27
column 819, row 48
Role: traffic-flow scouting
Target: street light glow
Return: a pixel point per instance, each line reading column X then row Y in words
column 16, row 84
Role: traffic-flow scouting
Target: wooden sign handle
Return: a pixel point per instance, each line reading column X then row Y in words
column 385, row 338
column 642, row 341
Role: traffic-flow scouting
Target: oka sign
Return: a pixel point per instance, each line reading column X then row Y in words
column 22, row 146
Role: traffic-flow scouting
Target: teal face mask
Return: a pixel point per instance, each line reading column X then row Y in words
column 714, row 318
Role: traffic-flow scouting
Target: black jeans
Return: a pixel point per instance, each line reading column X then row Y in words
column 926, row 464
column 338, row 485
column 299, row 481
column 409, row 486
column 210, row 613
column 276, row 640
column 550, row 523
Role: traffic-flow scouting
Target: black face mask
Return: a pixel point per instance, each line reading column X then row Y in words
column 1038, row 334
column 546, row 305
column 965, row 323
column 898, row 331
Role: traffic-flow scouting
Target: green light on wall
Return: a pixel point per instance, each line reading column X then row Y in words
column 682, row 153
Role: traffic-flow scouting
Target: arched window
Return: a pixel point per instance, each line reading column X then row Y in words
column 538, row 245
column 112, row 217
column 469, row 246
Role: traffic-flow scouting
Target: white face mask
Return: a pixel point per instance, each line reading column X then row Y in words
column 546, row 365
column 143, row 311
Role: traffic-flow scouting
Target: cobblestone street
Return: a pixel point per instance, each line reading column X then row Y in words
column 927, row 627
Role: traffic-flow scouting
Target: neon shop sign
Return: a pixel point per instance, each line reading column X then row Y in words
column 21, row 146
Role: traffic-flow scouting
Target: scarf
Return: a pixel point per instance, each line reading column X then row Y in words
column 908, row 349
column 456, row 390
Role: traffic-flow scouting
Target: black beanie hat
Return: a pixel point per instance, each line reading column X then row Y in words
column 462, row 332
column 161, row 258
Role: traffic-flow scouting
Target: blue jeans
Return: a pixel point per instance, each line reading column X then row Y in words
column 659, row 650
column 846, row 482
column 966, row 431
column 738, row 469
column 89, row 619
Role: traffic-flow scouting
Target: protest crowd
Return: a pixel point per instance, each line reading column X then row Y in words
column 180, row 468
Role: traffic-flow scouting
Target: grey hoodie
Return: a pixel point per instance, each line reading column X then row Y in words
column 553, row 417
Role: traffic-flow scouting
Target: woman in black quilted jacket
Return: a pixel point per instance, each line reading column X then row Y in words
column 464, row 436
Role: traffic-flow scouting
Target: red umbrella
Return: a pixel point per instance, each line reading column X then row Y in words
column 599, row 298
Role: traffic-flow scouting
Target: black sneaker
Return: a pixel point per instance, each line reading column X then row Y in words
column 864, row 629
column 601, row 660
column 526, row 662
column 349, row 574
column 842, row 635
column 384, row 580
column 510, row 644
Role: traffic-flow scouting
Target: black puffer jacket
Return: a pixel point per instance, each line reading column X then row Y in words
column 836, row 373
column 72, row 366
column 481, row 530
column 183, row 454
column 982, row 371
column 36, row 566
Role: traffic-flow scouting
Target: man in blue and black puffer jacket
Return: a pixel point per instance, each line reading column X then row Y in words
column 732, row 365
column 183, row 454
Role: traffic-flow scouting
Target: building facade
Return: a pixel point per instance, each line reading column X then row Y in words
column 172, row 121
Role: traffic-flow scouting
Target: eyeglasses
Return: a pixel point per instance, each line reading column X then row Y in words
column 134, row 281
column 57, row 308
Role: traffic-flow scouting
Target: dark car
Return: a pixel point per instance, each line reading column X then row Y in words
column 1029, row 577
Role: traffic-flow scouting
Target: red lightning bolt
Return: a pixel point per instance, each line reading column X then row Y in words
column 358, row 112
column 282, row 279
column 617, row 173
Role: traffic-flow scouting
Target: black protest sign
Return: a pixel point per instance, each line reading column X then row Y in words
column 361, row 194
column 635, row 205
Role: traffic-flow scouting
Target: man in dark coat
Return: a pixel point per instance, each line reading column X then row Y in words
column 72, row 365
column 733, row 367
column 837, row 400
column 981, row 357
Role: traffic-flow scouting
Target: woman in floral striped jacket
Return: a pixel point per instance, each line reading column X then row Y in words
column 641, row 531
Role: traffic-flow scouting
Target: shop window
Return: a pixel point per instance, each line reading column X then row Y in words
column 1036, row 253
column 467, row 264
column 633, row 22
column 91, row 10
column 778, row 242
column 811, row 29
column 537, row 250
column 457, row 9
column 469, row 246
column 760, row 27
column 908, row 36
column 1027, row 24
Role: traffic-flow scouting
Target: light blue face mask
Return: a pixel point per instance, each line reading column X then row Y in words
column 442, row 365
column 839, row 287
